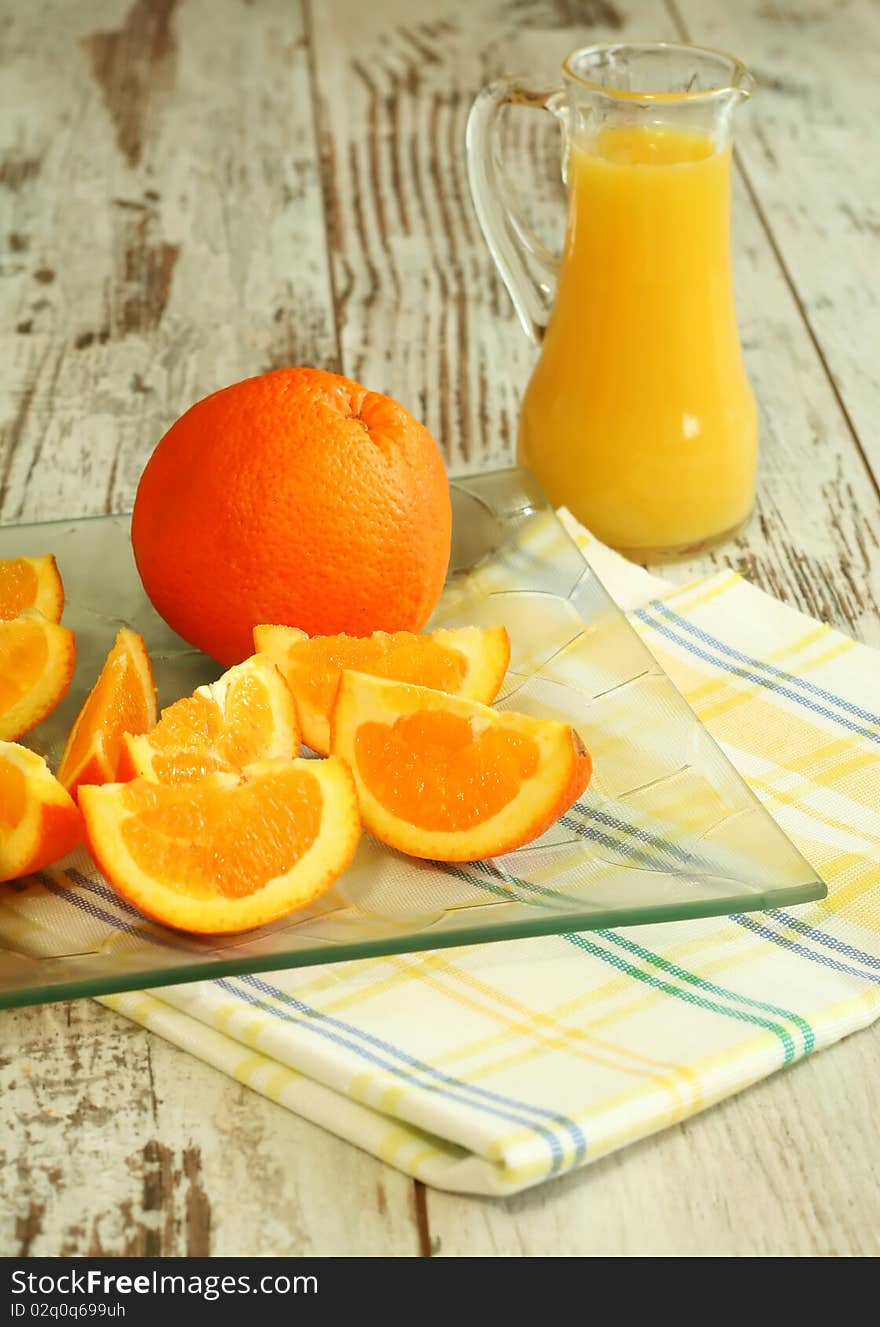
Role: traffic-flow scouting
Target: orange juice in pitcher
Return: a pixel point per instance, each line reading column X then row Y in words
column 639, row 416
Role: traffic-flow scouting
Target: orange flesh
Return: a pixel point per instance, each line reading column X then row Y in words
column 249, row 723
column 18, row 587
column 431, row 770
column 195, row 738
column 223, row 841
column 13, row 794
column 115, row 706
column 23, row 655
column 313, row 667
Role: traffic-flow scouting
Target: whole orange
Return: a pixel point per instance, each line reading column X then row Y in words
column 297, row 497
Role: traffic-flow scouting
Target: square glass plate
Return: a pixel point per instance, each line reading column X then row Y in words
column 666, row 830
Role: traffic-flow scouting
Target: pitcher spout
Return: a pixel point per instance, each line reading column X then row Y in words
column 687, row 87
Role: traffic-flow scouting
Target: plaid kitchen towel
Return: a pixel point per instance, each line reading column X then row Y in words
column 490, row 1068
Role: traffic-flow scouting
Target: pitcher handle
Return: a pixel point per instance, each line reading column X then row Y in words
column 527, row 267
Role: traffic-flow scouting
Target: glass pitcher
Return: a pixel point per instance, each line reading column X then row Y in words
column 639, row 416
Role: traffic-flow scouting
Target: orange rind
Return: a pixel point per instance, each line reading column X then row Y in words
column 39, row 820
column 450, row 779
column 230, row 852
column 37, row 659
column 123, row 700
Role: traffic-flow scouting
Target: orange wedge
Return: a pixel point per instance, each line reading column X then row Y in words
column 451, row 779
column 230, row 852
column 123, row 700
column 36, row 664
column 31, row 583
column 466, row 661
column 39, row 821
column 247, row 715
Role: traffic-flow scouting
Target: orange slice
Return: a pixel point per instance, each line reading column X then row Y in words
column 123, row 700
column 36, row 665
column 228, row 853
column 39, row 821
column 466, row 661
column 247, row 715
column 451, row 779
column 31, row 583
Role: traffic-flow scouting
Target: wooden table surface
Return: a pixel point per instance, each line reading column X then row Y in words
column 193, row 191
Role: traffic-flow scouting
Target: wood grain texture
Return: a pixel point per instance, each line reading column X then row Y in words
column 195, row 190
column 115, row 1143
column 814, row 540
column 421, row 314
column 797, row 146
column 421, row 311
column 162, row 231
column 808, row 148
column 790, row 1167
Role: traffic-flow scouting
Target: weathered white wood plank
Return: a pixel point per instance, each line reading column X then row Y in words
column 210, row 266
column 808, row 145
column 815, row 538
column 789, row 1168
column 116, row 1143
column 421, row 312
column 162, row 231
column 813, row 542
column 422, row 316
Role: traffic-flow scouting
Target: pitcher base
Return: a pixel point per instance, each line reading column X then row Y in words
column 680, row 552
